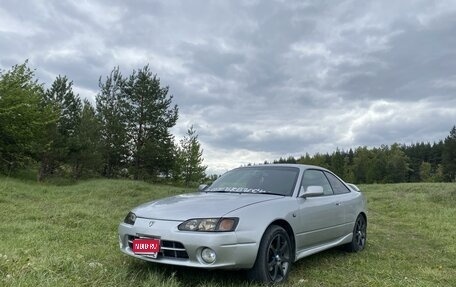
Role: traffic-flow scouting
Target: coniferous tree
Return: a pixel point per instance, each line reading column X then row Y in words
column 395, row 163
column 436, row 154
column 449, row 156
column 64, row 148
column 111, row 113
column 89, row 158
column 191, row 158
column 318, row 159
column 69, row 105
column 150, row 116
column 349, row 175
column 337, row 163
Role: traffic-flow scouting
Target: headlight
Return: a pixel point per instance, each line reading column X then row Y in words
column 130, row 218
column 209, row 224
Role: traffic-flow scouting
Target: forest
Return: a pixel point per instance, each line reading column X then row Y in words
column 418, row 162
column 126, row 134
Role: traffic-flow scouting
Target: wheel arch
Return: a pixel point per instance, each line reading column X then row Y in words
column 285, row 225
column 363, row 214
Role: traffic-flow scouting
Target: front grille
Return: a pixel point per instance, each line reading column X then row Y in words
column 168, row 249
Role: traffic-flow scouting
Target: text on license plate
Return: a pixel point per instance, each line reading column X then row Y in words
column 146, row 246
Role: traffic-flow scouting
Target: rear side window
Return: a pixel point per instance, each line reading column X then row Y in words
column 336, row 184
column 316, row 177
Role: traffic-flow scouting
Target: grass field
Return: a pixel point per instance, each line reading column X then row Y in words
column 67, row 236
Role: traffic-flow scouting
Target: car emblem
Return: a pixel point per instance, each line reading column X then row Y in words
column 151, row 223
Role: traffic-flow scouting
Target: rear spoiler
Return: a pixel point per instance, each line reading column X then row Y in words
column 354, row 187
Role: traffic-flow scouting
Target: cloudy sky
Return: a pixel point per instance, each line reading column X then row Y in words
column 259, row 79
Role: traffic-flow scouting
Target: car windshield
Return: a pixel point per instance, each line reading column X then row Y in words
column 267, row 179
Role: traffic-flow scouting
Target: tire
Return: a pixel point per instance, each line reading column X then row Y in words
column 274, row 257
column 359, row 235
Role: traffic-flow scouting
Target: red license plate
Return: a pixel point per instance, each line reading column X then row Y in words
column 146, row 246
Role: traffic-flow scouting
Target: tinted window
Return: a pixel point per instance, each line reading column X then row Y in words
column 316, row 177
column 336, row 184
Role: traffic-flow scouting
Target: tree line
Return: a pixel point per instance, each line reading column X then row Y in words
column 126, row 134
column 390, row 164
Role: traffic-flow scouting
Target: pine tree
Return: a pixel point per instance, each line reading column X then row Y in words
column 69, row 105
column 191, row 158
column 150, row 117
column 64, row 148
column 89, row 159
column 111, row 113
column 349, row 175
column 449, row 156
column 337, row 163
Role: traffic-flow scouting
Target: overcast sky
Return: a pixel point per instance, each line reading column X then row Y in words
column 258, row 79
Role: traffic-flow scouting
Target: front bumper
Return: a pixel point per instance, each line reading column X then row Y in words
column 184, row 248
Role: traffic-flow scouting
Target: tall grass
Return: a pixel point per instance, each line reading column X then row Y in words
column 67, row 236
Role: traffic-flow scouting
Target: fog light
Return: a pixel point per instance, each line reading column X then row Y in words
column 208, row 255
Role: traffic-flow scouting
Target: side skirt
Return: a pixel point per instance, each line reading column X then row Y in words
column 309, row 251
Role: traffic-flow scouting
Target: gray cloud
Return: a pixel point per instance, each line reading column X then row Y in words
column 259, row 79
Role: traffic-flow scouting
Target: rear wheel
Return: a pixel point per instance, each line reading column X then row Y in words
column 274, row 257
column 359, row 235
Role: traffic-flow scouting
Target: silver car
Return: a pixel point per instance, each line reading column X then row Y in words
column 262, row 218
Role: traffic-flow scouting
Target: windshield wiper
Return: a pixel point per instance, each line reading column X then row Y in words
column 217, row 190
column 242, row 192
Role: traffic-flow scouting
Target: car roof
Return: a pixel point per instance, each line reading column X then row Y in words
column 300, row 166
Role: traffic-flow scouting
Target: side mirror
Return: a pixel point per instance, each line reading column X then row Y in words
column 202, row 187
column 313, row 190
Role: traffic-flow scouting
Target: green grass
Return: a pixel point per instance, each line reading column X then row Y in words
column 67, row 236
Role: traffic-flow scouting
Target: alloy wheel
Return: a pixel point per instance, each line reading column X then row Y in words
column 278, row 258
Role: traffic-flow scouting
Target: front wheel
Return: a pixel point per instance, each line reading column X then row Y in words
column 274, row 257
column 359, row 235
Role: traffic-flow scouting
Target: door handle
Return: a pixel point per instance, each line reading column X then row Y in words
column 338, row 203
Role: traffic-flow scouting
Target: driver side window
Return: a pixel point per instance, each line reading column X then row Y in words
column 316, row 177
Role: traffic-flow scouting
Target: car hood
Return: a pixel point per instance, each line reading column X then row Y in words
column 199, row 205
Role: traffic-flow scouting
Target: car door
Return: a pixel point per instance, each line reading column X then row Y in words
column 346, row 200
column 320, row 217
